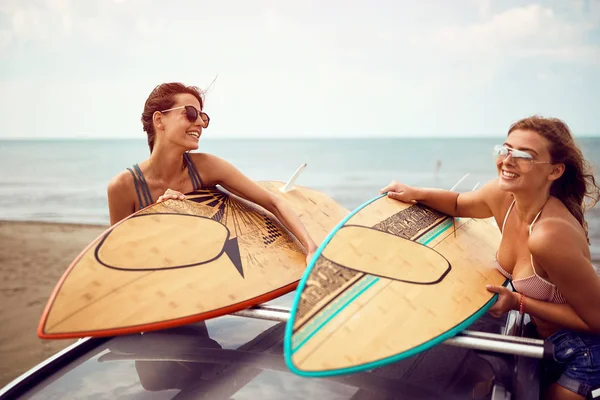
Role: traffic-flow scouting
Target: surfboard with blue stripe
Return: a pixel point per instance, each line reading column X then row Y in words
column 391, row 280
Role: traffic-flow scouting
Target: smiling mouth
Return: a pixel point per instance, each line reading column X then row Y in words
column 194, row 134
column 510, row 175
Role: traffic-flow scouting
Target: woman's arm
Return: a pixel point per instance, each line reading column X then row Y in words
column 560, row 249
column 476, row 204
column 233, row 180
column 558, row 314
column 557, row 247
column 119, row 194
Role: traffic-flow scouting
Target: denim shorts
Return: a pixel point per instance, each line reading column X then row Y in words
column 576, row 364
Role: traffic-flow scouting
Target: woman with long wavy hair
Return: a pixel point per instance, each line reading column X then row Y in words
column 538, row 201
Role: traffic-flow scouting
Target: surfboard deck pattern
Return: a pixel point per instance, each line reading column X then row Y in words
column 391, row 280
column 182, row 261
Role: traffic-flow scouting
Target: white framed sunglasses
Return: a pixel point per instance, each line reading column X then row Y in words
column 522, row 159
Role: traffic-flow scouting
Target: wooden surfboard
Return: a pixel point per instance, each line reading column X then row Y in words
column 182, row 261
column 391, row 280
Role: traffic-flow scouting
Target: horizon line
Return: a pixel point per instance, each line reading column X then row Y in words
column 221, row 138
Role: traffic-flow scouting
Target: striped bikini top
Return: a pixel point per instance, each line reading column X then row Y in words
column 143, row 191
column 533, row 286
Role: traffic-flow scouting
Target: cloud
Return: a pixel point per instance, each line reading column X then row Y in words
column 484, row 7
column 6, row 37
column 518, row 33
column 342, row 67
column 99, row 22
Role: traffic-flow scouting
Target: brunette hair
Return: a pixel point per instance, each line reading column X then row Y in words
column 577, row 183
column 163, row 98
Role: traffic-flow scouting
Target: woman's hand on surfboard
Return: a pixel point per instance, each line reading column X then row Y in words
column 400, row 191
column 171, row 194
column 507, row 300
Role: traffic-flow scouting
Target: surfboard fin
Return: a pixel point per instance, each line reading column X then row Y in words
column 232, row 250
column 290, row 183
column 459, row 182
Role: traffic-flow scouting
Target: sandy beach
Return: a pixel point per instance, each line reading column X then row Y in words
column 33, row 256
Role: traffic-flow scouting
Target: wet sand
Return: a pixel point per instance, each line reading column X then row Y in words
column 33, row 256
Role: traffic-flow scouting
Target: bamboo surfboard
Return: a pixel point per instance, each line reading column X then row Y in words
column 182, row 261
column 391, row 280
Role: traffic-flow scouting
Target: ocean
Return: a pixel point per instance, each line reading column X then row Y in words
column 65, row 180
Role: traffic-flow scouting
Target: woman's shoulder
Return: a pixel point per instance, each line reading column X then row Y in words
column 211, row 168
column 208, row 163
column 556, row 218
column 557, row 232
column 498, row 200
column 121, row 182
column 199, row 158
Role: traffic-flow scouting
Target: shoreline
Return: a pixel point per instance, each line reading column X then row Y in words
column 66, row 224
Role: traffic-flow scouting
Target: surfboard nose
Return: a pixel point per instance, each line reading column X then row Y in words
column 153, row 242
column 383, row 254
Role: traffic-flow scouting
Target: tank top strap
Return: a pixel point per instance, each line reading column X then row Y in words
column 193, row 171
column 141, row 186
column 506, row 216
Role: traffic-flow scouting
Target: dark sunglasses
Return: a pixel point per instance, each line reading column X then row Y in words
column 192, row 114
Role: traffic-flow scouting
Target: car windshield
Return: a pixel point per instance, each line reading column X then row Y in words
column 234, row 357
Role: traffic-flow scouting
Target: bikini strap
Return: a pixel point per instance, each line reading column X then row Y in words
column 535, row 219
column 506, row 216
column 193, row 171
column 530, row 228
column 141, row 186
column 137, row 186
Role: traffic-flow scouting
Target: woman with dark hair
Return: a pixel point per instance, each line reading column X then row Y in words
column 173, row 120
column 538, row 200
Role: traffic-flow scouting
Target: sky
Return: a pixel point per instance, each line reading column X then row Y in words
column 300, row 69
